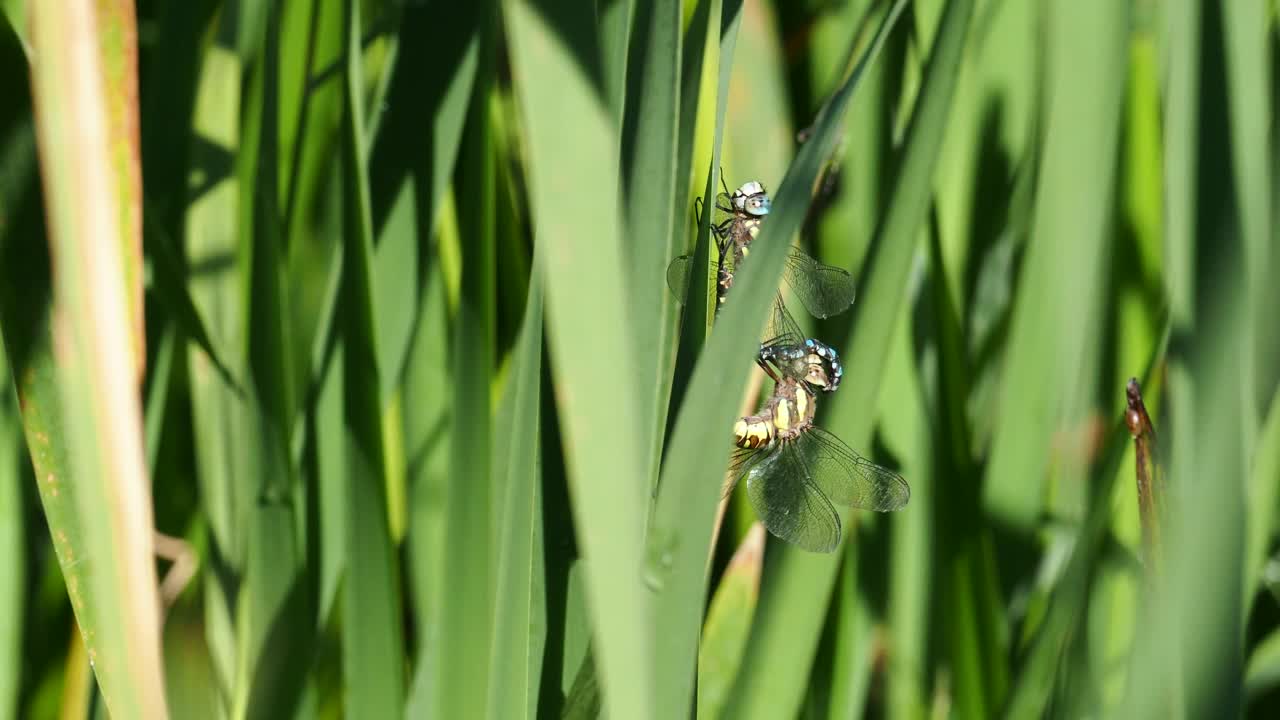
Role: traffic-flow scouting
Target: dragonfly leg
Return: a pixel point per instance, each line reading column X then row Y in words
column 768, row 370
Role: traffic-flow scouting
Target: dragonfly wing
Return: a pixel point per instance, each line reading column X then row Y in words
column 782, row 331
column 740, row 463
column 724, row 207
column 846, row 477
column 678, row 276
column 825, row 290
column 789, row 504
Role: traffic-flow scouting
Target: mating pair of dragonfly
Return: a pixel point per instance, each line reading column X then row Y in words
column 795, row 472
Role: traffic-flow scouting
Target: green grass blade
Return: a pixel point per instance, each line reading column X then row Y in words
column 168, row 274
column 852, row 637
column 572, row 144
column 1038, row 678
column 616, row 18
column 15, row 14
column 428, row 439
column 170, row 94
column 583, row 699
column 373, row 660
column 1264, row 496
column 411, row 166
column 1181, row 132
column 1061, row 285
column 214, row 286
column 1216, row 429
column 519, row 626
column 686, row 505
column 848, row 223
column 1182, row 49
column 703, row 57
column 970, row 596
column 649, row 166
column 1262, row 672
column 90, row 169
column 466, row 623
column 755, row 87
column 13, row 541
column 330, row 484
column 272, row 618
column 309, row 101
column 24, row 330
column 1246, row 40
column 728, row 624
column 913, row 546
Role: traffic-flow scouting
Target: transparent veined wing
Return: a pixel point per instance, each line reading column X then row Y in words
column 678, row 273
column 786, row 500
column 825, row 290
column 844, row 476
column 782, row 330
column 724, row 209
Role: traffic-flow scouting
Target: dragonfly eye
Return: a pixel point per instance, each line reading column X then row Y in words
column 758, row 205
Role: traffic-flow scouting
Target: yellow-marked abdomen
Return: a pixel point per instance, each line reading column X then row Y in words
column 752, row 432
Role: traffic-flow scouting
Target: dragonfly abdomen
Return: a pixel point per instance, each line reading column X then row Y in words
column 788, row 413
column 753, row 431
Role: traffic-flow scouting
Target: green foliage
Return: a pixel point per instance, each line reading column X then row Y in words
column 440, row 441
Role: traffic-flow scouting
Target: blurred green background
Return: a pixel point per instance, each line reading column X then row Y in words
column 419, row 430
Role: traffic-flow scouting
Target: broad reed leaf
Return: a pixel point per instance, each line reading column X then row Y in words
column 905, row 417
column 85, row 93
column 519, row 625
column 373, row 660
column 272, row 611
column 1262, row 494
column 1262, row 672
column 572, row 142
column 13, row 539
column 650, row 163
column 704, row 59
column 1034, row 686
column 1212, row 421
column 15, row 15
column 24, row 327
column 728, row 624
column 466, row 622
column 220, row 441
column 428, row 442
column 1061, row 284
column 1246, row 40
column 616, row 18
column 411, row 166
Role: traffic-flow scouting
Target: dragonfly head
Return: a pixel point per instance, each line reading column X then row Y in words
column 822, row 366
column 752, row 199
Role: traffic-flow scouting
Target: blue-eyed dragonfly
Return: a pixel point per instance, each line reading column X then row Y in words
column 795, row 472
column 824, row 290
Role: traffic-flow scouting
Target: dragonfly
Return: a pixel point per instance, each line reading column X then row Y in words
column 825, row 290
column 796, row 472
